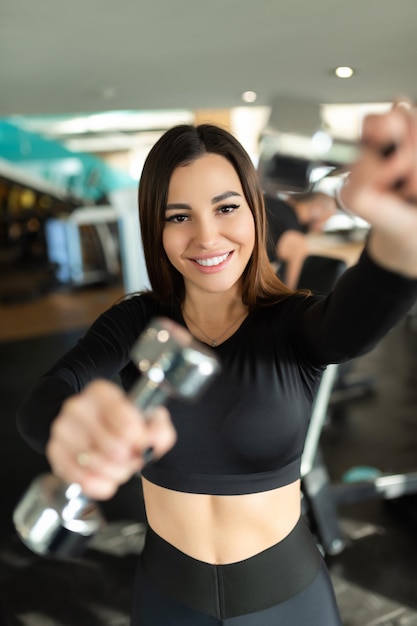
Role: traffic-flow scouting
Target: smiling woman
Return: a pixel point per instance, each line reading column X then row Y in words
column 211, row 242
column 226, row 541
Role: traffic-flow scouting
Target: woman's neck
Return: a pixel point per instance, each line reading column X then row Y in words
column 213, row 319
column 213, row 308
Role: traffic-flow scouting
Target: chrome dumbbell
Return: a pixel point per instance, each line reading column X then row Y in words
column 54, row 518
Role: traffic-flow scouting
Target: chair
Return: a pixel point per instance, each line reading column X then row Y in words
column 319, row 273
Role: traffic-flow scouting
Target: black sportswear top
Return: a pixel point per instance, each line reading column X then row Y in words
column 246, row 433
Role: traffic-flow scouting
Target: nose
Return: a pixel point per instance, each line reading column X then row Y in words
column 206, row 232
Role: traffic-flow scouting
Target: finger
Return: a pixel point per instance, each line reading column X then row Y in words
column 137, row 432
column 121, row 429
column 383, row 131
column 81, row 427
column 92, row 461
column 70, row 431
column 119, row 415
column 393, row 134
column 388, row 157
column 161, row 432
column 394, row 172
column 98, row 480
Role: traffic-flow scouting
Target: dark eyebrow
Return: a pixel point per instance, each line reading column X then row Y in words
column 178, row 205
column 215, row 200
column 223, row 196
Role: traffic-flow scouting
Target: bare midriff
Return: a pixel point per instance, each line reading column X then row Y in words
column 222, row 529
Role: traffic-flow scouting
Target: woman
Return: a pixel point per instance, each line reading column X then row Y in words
column 226, row 542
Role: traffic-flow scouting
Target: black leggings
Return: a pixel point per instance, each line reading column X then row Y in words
column 285, row 585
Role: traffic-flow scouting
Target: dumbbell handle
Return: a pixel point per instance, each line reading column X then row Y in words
column 56, row 518
column 145, row 395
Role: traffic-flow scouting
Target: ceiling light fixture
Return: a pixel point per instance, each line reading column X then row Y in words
column 249, row 96
column 343, row 72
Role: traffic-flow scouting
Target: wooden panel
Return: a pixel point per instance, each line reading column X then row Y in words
column 219, row 117
column 55, row 312
column 335, row 246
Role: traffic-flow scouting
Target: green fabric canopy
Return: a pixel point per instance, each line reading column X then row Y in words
column 80, row 174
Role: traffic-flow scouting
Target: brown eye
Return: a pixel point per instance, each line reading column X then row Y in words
column 177, row 219
column 228, row 208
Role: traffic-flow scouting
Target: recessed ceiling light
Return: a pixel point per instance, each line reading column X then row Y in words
column 343, row 72
column 249, row 96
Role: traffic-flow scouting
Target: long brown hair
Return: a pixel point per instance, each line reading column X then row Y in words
column 180, row 145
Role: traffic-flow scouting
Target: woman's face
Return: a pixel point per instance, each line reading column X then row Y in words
column 209, row 231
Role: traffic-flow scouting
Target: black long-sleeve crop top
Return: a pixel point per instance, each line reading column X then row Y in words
column 246, row 434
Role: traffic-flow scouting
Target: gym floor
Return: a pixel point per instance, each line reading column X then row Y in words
column 375, row 575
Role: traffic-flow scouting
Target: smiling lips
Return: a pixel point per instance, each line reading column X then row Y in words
column 212, row 262
column 215, row 260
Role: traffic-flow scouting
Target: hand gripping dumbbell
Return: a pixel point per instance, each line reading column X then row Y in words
column 57, row 519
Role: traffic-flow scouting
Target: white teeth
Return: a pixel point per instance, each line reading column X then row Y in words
column 213, row 261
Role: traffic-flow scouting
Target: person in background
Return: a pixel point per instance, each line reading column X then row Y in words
column 290, row 219
column 226, row 542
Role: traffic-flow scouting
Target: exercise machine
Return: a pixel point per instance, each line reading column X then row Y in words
column 322, row 497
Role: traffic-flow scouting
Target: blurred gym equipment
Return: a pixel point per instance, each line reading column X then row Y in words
column 322, row 497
